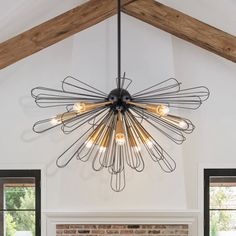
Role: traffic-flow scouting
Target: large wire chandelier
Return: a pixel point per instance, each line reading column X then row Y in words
column 115, row 129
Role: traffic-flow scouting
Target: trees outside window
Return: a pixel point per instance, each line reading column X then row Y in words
column 20, row 203
column 220, row 202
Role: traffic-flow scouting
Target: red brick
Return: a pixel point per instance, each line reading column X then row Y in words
column 127, row 231
column 122, row 230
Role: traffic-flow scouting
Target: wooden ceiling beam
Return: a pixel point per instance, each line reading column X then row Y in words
column 56, row 29
column 184, row 27
column 95, row 11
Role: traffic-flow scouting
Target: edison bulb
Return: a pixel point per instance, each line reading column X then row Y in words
column 149, row 143
column 89, row 143
column 163, row 110
column 120, row 139
column 55, row 121
column 79, row 107
column 183, row 124
column 102, row 149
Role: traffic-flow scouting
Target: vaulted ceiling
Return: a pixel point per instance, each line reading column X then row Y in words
column 91, row 12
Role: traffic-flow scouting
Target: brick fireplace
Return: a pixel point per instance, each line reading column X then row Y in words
column 120, row 230
column 122, row 223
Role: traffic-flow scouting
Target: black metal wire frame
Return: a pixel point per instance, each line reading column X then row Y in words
column 169, row 92
column 96, row 127
column 103, row 120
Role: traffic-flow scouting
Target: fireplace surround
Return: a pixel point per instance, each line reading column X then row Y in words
column 122, row 223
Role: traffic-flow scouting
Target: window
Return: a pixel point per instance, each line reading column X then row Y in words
column 20, row 209
column 219, row 202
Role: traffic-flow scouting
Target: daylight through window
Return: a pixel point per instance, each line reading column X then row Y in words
column 220, row 208
column 19, row 204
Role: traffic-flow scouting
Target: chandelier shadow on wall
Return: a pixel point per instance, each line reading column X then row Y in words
column 115, row 129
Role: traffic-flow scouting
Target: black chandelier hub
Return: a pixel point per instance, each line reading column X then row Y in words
column 119, row 98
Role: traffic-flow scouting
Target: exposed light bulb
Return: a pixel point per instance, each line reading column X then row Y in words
column 79, row 107
column 143, row 134
column 89, row 143
column 55, row 120
column 63, row 117
column 120, row 139
column 162, row 110
column 104, row 142
column 177, row 121
column 132, row 140
column 120, row 134
column 149, row 143
column 94, row 136
column 183, row 124
column 102, row 149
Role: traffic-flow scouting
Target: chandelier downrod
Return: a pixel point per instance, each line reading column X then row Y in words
column 119, row 43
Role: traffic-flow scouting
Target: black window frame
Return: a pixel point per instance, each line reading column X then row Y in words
column 207, row 174
column 27, row 174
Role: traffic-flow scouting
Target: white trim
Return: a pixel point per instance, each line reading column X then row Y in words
column 33, row 166
column 200, row 178
column 163, row 217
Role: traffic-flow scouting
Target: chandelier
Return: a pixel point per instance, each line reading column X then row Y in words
column 117, row 129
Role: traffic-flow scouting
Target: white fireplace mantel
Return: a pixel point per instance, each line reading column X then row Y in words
column 189, row 218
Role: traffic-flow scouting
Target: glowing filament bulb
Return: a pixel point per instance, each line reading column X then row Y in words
column 177, row 121
column 120, row 139
column 143, row 134
column 149, row 143
column 102, row 149
column 62, row 118
column 160, row 110
column 133, row 143
column 55, row 121
column 183, row 124
column 94, row 136
column 120, row 134
column 89, row 143
column 104, row 142
column 79, row 107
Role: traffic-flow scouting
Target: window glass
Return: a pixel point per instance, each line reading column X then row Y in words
column 19, row 203
column 19, row 223
column 19, row 196
column 222, row 205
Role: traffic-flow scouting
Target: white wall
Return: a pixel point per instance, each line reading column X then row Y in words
column 212, row 143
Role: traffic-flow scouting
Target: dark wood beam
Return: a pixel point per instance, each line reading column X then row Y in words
column 184, row 27
column 56, row 29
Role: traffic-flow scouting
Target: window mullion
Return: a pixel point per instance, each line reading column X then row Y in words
column 1, row 207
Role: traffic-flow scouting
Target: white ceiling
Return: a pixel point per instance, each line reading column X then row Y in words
column 18, row 16
column 218, row 13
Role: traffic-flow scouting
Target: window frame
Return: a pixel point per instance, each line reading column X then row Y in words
column 26, row 174
column 207, row 174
